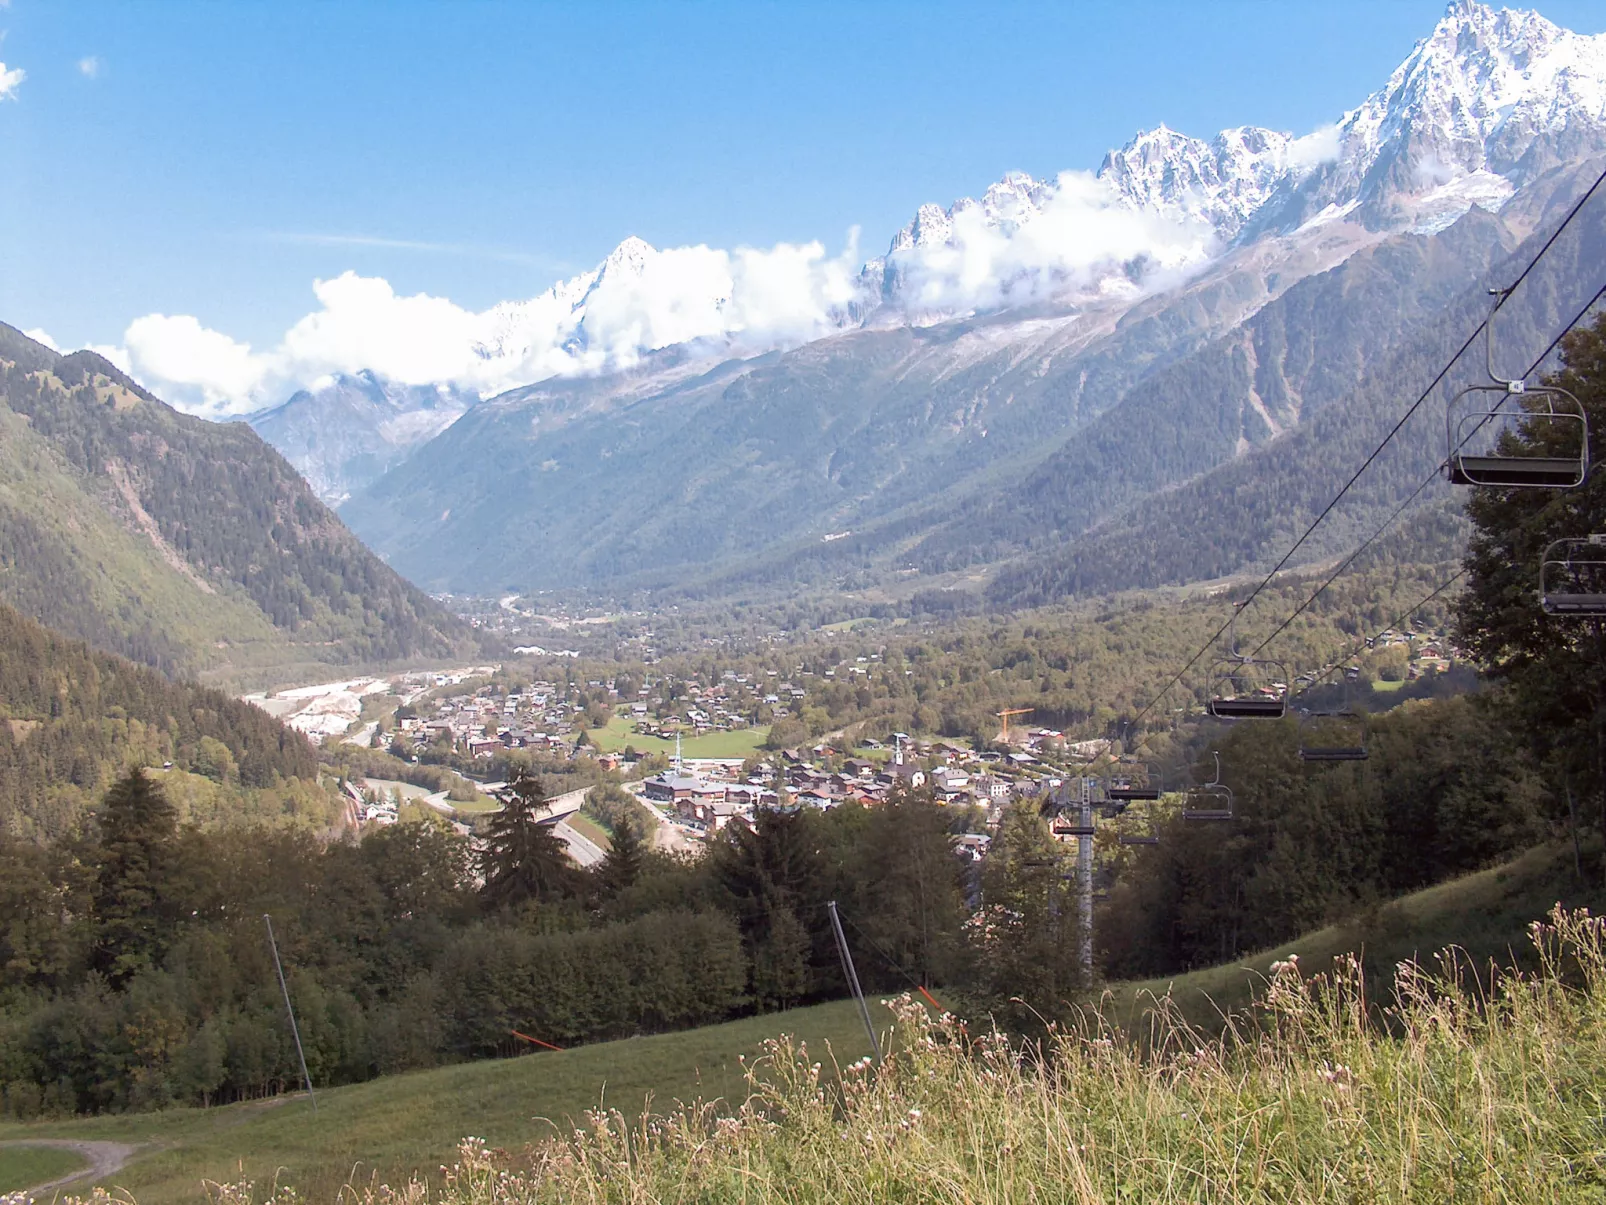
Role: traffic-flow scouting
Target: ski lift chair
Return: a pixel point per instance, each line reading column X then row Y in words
column 1246, row 689
column 1212, row 801
column 1539, row 442
column 1138, row 783
column 1572, row 577
column 1133, row 831
column 1065, row 825
column 1329, row 736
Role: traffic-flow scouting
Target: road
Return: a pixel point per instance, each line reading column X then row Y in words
column 105, row 1159
column 582, row 849
column 667, row 835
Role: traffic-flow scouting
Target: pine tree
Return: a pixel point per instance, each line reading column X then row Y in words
column 772, row 868
column 137, row 831
column 622, row 865
column 1025, row 939
column 523, row 859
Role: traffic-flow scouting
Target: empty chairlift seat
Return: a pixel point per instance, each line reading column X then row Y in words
column 1132, row 783
column 1212, row 801
column 1572, row 577
column 1512, row 437
column 1137, row 827
column 1245, row 689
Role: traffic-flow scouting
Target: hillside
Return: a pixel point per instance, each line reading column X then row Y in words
column 72, row 719
column 1244, row 513
column 187, row 545
column 392, row 1126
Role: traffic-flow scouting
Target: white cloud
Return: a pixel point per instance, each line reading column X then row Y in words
column 39, row 336
column 89, row 66
column 213, row 373
column 1081, row 236
column 1317, row 147
column 10, row 80
column 752, row 298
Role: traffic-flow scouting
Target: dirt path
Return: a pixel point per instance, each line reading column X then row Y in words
column 105, row 1158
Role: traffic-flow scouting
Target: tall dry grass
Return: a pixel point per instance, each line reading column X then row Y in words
column 1463, row 1090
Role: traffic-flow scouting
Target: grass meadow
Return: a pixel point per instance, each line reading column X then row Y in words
column 620, row 732
column 402, row 1126
column 1457, row 1092
column 21, row 1166
column 1463, row 1103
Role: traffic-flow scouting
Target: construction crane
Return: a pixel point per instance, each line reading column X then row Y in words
column 1004, row 715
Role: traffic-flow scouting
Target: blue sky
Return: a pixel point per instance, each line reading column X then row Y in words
column 214, row 159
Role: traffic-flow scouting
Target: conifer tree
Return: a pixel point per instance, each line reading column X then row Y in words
column 137, row 832
column 523, row 859
column 622, row 865
column 1025, row 939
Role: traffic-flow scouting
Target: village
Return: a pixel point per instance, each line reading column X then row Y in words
column 703, row 751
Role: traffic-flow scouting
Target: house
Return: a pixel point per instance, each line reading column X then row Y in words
column 911, row 774
column 670, row 788
column 949, row 781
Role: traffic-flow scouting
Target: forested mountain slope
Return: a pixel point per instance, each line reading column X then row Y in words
column 184, row 544
column 1245, row 514
column 969, row 442
column 72, row 719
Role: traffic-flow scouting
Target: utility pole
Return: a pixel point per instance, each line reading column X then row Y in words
column 1084, row 879
column 853, row 980
column 294, row 1029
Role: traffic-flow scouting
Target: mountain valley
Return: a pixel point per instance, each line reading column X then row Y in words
column 927, row 433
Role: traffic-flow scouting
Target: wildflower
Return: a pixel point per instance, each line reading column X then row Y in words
column 1336, row 1074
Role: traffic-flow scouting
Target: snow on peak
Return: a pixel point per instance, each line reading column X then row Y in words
column 1474, row 95
column 1220, row 182
column 1006, row 206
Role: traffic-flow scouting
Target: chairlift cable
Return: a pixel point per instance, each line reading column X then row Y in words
column 1503, row 297
column 1428, row 480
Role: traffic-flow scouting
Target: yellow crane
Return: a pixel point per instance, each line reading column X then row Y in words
column 1004, row 715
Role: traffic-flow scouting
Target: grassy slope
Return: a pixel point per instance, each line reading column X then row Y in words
column 23, row 1166
column 390, row 1126
column 1486, row 914
column 402, row 1123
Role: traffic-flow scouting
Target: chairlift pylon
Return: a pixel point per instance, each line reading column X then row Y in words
column 1572, row 577
column 1212, row 801
column 1542, row 442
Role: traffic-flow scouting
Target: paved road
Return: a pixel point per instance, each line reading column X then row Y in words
column 582, row 849
column 105, row 1159
column 666, row 835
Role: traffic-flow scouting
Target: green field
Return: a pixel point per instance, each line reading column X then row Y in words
column 395, row 1126
column 24, row 1166
column 619, row 733
column 390, row 1127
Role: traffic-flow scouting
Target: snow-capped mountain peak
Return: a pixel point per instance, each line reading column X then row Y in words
column 1220, row 182
column 1475, row 95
